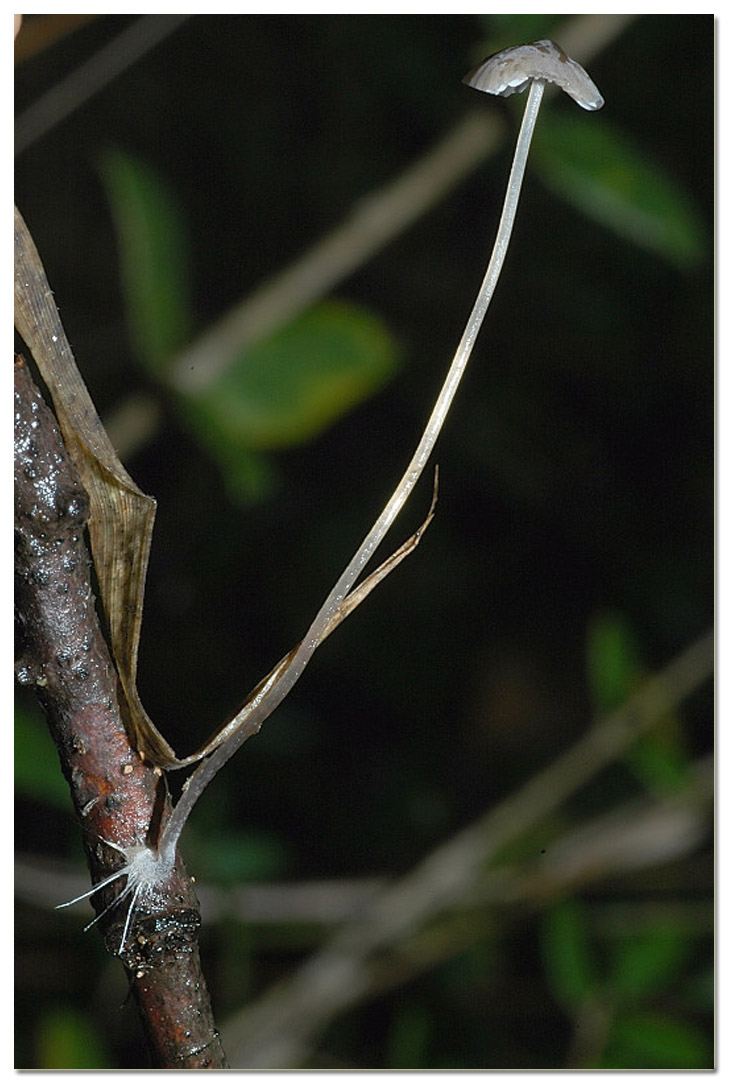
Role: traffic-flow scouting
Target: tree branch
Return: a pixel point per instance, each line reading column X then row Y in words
column 117, row 798
column 283, row 1026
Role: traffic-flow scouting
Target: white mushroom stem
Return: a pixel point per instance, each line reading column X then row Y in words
column 278, row 686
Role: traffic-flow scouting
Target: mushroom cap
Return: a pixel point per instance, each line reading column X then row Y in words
column 511, row 70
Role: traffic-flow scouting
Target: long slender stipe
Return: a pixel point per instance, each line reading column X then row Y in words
column 273, row 692
column 505, row 73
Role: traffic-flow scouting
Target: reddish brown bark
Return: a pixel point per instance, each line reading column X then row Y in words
column 64, row 656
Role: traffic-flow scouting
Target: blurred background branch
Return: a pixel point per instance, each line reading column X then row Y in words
column 281, row 1029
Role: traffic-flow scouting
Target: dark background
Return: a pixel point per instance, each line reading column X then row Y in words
column 576, row 476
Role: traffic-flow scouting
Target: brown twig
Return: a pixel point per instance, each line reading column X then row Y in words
column 64, row 656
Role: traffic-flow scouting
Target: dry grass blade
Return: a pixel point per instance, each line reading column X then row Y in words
column 358, row 594
column 349, row 603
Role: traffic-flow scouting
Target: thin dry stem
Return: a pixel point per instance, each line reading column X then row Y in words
column 269, row 696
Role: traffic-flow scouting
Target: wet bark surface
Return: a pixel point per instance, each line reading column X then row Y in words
column 61, row 652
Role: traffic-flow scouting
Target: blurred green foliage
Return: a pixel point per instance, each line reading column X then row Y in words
column 291, row 387
column 613, row 662
column 36, row 767
column 638, row 990
column 154, row 260
column 277, row 393
column 571, row 969
column 599, row 170
column 67, row 1041
column 647, row 1041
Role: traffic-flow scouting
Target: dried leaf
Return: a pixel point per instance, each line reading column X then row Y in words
column 121, row 520
column 122, row 517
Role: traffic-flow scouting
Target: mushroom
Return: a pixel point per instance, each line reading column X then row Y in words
column 510, row 72
column 146, row 868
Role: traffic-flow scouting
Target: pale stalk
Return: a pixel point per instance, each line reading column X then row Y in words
column 276, row 689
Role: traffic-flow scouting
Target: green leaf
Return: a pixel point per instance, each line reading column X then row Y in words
column 291, row 387
column 67, row 1041
column 652, row 1041
column 570, row 967
column 699, row 990
column 612, row 660
column 233, row 857
column 408, row 1039
column 593, row 165
column 647, row 962
column 153, row 257
column 506, row 30
column 659, row 759
column 38, row 773
column 614, row 670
